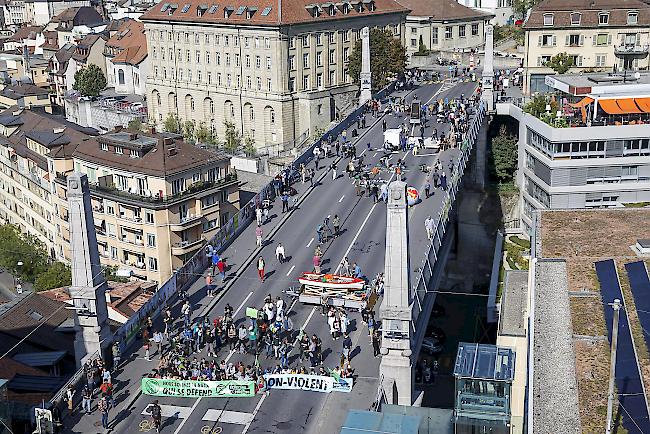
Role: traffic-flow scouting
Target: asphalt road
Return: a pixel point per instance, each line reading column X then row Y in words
column 362, row 240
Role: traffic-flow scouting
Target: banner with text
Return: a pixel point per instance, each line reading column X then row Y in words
column 314, row 383
column 196, row 389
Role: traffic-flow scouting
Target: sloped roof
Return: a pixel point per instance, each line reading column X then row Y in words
column 16, row 91
column 9, row 368
column 589, row 10
column 443, row 10
column 265, row 12
column 84, row 46
column 78, row 16
column 28, row 32
column 130, row 43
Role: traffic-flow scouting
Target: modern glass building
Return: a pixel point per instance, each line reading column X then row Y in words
column 483, row 376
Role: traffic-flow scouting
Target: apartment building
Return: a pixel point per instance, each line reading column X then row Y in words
column 500, row 9
column 443, row 26
column 13, row 12
column 127, row 63
column 26, row 137
column 277, row 70
column 155, row 199
column 24, row 96
column 74, row 23
column 40, row 12
column 592, row 32
column 599, row 153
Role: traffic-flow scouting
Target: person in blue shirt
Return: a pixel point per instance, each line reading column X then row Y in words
column 357, row 271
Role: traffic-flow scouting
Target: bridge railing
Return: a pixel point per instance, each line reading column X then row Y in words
column 427, row 267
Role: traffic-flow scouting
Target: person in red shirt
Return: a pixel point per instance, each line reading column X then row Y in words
column 221, row 265
column 106, row 389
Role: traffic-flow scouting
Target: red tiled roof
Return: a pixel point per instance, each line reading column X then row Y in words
column 265, row 12
column 129, row 42
column 589, row 10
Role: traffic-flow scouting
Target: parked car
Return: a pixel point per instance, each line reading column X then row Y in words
column 432, row 346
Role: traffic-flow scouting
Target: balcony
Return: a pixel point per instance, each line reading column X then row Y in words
column 631, row 50
column 184, row 247
column 186, row 222
column 156, row 202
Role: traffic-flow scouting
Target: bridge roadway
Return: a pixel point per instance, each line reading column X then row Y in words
column 362, row 240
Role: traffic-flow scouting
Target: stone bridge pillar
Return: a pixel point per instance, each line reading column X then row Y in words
column 395, row 370
column 488, row 68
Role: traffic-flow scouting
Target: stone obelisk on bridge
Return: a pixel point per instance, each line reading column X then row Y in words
column 88, row 285
column 365, row 76
column 488, row 69
column 395, row 370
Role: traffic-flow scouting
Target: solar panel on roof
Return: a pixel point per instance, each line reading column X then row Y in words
column 240, row 10
column 266, row 11
column 164, row 7
column 213, row 9
column 186, row 8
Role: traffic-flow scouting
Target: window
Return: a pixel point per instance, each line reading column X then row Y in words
column 113, row 252
column 395, row 29
column 434, row 36
column 207, row 38
column 237, row 59
column 543, row 60
column 319, row 58
column 292, row 84
column 269, row 84
column 319, row 80
column 548, row 19
column 268, row 63
column 474, row 29
column 218, row 79
column 267, row 43
column 258, row 62
column 449, row 32
column 305, row 60
column 601, row 60
column 603, row 18
column 602, row 39
column 547, row 40
column 632, row 17
column 257, row 42
column 197, row 39
column 331, row 36
column 119, row 150
column 153, row 264
column 292, row 42
column 292, row 63
column 151, row 240
column 577, row 60
column 305, row 40
column 247, row 42
column 218, row 58
column 104, row 147
column 259, row 83
column 227, row 59
column 319, row 39
column 207, row 58
column 461, row 31
column 198, row 76
column 226, row 40
column 134, row 153
column 574, row 40
column 414, row 42
column 249, row 82
column 305, row 82
column 332, row 57
column 248, row 61
column 575, row 18
column 148, row 216
column 346, row 36
column 346, row 54
column 198, row 57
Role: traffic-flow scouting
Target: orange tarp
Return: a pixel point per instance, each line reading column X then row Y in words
column 583, row 102
column 628, row 105
column 643, row 103
column 610, row 106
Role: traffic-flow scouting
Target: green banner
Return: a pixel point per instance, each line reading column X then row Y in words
column 196, row 389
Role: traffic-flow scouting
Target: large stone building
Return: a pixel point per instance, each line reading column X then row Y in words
column 155, row 198
column 40, row 12
column 276, row 69
column 597, row 155
column 592, row 32
column 443, row 26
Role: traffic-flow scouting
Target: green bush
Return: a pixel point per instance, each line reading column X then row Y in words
column 521, row 242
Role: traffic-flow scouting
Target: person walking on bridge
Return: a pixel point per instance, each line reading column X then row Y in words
column 279, row 253
column 260, row 268
column 258, row 236
column 428, row 226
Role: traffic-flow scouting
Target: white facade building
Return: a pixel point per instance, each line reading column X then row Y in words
column 40, row 12
column 501, row 9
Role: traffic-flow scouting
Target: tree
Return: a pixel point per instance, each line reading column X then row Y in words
column 232, row 139
column 249, row 146
column 504, row 155
column 560, row 63
column 387, row 58
column 57, row 275
column 521, row 7
column 537, row 105
column 202, row 133
column 89, row 81
column 188, row 130
column 17, row 247
column 172, row 123
column 136, row 124
column 422, row 49
column 110, row 274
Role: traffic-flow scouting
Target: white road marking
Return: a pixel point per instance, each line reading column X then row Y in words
column 257, row 408
column 241, row 306
column 375, row 154
column 227, row 416
column 310, row 241
column 180, row 427
column 341, row 199
column 308, row 318
column 291, row 269
column 175, row 411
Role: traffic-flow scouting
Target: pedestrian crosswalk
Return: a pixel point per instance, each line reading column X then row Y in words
column 211, row 415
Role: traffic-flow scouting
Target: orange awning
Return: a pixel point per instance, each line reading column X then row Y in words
column 583, row 102
column 610, row 106
column 643, row 103
column 628, row 105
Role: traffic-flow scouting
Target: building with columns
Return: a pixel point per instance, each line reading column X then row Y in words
column 277, row 70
